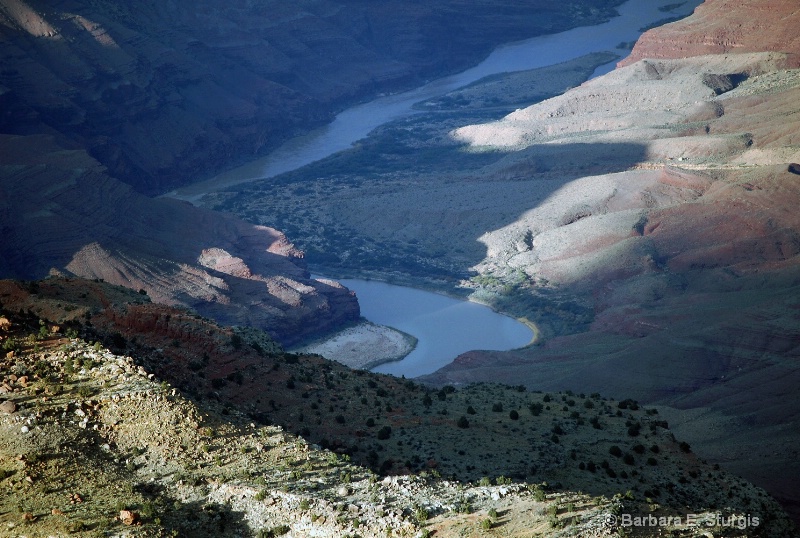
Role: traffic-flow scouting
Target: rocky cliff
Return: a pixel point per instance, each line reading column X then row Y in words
column 167, row 93
column 62, row 211
column 725, row 27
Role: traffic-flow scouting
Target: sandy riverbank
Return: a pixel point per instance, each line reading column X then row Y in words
column 363, row 346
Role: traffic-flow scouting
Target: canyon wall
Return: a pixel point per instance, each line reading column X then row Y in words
column 168, row 93
column 61, row 212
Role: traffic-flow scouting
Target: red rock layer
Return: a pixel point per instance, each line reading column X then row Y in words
column 726, row 26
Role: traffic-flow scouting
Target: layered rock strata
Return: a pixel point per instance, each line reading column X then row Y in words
column 60, row 210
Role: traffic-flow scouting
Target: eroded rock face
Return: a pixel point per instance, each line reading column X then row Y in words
column 165, row 93
column 60, row 210
column 725, row 27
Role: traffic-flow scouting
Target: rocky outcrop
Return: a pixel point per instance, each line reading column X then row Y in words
column 726, row 27
column 170, row 93
column 60, row 210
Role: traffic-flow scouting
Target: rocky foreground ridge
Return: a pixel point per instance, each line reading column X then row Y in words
column 95, row 443
column 165, row 94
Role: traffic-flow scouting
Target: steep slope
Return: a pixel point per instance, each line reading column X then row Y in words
column 60, row 210
column 163, row 94
column 95, row 441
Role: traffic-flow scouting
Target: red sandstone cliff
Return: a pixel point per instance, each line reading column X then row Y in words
column 726, row 26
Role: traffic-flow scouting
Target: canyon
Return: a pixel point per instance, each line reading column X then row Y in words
column 645, row 220
column 103, row 104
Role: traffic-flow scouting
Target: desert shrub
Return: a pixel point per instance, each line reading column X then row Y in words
column 463, row 422
column 236, row 341
column 384, row 433
column 615, row 451
column 513, row 415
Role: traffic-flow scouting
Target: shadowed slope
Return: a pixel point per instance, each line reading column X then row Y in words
column 59, row 209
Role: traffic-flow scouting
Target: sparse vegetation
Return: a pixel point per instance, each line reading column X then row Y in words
column 213, row 443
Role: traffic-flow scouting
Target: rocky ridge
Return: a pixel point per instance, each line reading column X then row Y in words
column 62, row 211
column 94, row 443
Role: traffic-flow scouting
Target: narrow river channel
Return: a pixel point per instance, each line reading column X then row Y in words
column 357, row 122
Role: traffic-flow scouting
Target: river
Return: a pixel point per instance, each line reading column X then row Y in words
column 356, row 123
column 444, row 327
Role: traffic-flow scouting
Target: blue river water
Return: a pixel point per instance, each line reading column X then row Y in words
column 444, row 327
